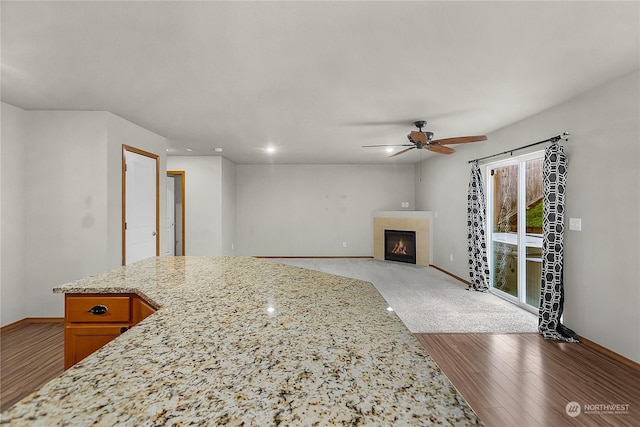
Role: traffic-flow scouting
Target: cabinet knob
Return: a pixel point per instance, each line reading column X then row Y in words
column 98, row 309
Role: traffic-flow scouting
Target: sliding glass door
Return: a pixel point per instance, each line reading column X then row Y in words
column 514, row 219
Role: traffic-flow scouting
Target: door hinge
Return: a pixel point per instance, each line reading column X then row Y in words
column 125, row 225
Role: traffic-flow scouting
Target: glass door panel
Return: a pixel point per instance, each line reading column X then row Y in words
column 533, row 239
column 505, row 229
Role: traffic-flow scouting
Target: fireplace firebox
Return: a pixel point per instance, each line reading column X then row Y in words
column 400, row 245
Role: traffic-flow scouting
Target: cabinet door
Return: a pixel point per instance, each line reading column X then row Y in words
column 140, row 310
column 81, row 340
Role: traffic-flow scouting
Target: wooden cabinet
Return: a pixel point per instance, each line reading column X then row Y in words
column 92, row 320
column 140, row 310
column 80, row 341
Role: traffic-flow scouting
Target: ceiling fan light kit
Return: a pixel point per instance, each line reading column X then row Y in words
column 420, row 140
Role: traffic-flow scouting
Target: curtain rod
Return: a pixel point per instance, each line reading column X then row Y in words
column 565, row 136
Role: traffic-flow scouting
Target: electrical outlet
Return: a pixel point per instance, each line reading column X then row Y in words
column 575, row 224
column 344, row 244
column 451, row 257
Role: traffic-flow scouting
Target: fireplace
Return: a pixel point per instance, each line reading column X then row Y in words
column 400, row 245
column 418, row 221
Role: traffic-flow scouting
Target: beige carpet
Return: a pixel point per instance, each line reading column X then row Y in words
column 426, row 299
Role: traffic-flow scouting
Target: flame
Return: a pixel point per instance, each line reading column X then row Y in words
column 400, row 248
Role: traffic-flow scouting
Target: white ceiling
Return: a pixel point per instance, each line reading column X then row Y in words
column 314, row 79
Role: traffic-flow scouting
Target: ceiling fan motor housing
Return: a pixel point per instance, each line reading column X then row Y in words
column 421, row 139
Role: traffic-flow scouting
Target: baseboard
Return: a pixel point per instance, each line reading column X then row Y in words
column 27, row 320
column 466, row 282
column 611, row 354
column 313, row 257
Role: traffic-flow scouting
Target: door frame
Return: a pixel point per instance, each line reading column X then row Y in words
column 131, row 149
column 182, row 199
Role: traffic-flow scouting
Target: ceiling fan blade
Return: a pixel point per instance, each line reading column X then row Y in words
column 403, row 151
column 389, row 145
column 403, row 122
column 440, row 149
column 460, row 140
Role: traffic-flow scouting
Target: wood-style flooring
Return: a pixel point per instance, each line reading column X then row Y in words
column 509, row 380
column 522, row 380
column 30, row 355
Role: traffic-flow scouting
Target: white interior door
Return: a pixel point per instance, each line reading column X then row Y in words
column 170, row 222
column 140, row 207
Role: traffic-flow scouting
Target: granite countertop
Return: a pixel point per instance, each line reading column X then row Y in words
column 246, row 341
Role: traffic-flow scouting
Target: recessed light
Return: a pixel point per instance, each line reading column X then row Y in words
column 218, row 150
column 271, row 149
column 189, row 149
column 389, row 149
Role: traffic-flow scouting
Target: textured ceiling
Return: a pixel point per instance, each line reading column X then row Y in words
column 316, row 80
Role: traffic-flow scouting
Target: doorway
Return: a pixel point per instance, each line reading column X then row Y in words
column 140, row 205
column 514, row 219
column 178, row 210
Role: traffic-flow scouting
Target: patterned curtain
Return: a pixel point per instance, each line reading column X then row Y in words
column 554, row 176
column 476, row 232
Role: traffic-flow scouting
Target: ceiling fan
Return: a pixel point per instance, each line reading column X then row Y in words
column 420, row 140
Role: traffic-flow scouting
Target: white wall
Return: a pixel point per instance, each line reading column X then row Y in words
column 12, row 219
column 309, row 210
column 229, row 202
column 203, row 202
column 602, row 274
column 64, row 204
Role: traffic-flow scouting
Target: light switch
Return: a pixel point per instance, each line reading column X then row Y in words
column 575, row 224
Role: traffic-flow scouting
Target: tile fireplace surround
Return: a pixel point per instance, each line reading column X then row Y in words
column 418, row 221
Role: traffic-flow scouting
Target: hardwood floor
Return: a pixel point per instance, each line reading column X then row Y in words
column 523, row 380
column 509, row 380
column 30, row 355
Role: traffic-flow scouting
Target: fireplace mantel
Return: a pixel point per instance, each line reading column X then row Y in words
column 418, row 221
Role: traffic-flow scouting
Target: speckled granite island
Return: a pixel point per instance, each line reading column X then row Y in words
column 246, row 341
